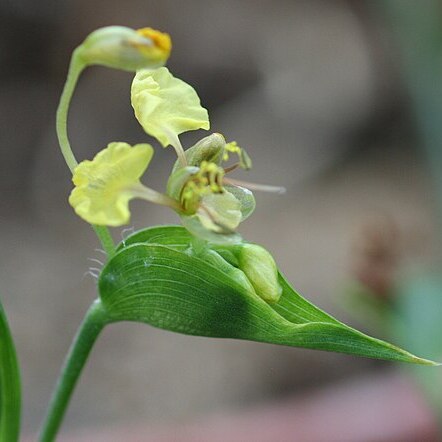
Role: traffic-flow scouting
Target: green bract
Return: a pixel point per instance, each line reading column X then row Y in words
column 159, row 278
column 166, row 106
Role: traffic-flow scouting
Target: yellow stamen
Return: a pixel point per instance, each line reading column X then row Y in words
column 208, row 180
column 244, row 160
column 160, row 39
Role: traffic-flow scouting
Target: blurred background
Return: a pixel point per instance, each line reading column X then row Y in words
column 338, row 101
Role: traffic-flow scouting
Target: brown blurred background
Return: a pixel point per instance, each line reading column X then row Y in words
column 311, row 88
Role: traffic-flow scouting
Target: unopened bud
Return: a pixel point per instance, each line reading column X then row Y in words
column 261, row 270
column 210, row 149
column 124, row 48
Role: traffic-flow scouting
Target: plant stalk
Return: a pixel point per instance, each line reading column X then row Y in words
column 105, row 238
column 76, row 67
column 93, row 323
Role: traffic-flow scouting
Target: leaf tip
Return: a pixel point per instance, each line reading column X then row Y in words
column 427, row 362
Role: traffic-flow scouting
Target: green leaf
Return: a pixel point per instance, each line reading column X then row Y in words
column 10, row 389
column 156, row 278
column 169, row 235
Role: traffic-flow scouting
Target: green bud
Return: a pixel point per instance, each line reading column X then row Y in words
column 261, row 270
column 124, row 48
column 210, row 149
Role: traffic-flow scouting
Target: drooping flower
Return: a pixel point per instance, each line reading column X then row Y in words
column 105, row 185
column 124, row 48
column 166, row 106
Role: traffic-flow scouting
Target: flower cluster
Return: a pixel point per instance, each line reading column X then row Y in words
column 210, row 204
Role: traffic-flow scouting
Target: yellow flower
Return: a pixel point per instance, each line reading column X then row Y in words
column 105, row 185
column 166, row 106
column 124, row 48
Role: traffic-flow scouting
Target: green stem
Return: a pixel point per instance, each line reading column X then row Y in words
column 10, row 391
column 105, row 238
column 93, row 323
column 76, row 67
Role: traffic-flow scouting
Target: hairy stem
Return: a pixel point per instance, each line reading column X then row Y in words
column 10, row 390
column 93, row 323
column 105, row 238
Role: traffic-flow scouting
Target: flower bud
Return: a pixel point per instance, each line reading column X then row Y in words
column 210, row 149
column 261, row 270
column 125, row 48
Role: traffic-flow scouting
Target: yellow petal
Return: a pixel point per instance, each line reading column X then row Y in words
column 105, row 185
column 166, row 106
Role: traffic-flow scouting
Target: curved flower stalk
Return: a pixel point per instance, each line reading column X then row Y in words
column 117, row 47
